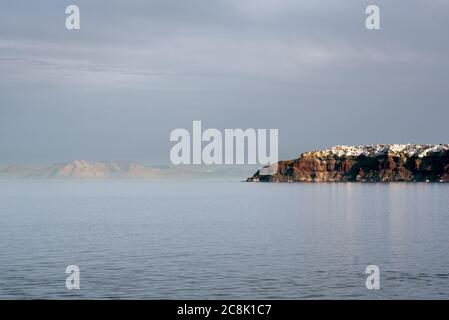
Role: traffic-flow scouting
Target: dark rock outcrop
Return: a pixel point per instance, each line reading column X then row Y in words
column 376, row 163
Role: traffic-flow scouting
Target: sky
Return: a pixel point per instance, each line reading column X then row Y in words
column 136, row 70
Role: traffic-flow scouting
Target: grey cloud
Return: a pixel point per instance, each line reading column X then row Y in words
column 309, row 68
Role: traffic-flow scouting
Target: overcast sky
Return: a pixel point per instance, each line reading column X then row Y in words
column 138, row 69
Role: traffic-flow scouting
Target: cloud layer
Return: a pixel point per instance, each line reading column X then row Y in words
column 138, row 69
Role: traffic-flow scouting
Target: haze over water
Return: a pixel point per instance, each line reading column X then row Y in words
column 140, row 239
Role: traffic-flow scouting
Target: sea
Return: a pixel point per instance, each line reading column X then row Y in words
column 135, row 239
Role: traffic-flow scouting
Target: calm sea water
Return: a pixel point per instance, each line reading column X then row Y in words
column 136, row 239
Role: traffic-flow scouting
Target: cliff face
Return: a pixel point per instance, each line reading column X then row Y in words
column 376, row 163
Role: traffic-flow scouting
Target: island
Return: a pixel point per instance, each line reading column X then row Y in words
column 367, row 163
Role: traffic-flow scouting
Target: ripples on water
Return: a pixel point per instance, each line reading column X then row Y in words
column 135, row 239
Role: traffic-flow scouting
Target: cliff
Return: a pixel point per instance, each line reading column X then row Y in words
column 370, row 163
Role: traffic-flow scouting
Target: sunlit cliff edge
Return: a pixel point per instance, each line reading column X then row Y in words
column 368, row 163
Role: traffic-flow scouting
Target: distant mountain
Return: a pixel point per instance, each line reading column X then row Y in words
column 83, row 169
column 16, row 171
column 370, row 163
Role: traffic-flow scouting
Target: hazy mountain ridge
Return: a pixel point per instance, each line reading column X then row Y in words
column 91, row 170
column 370, row 163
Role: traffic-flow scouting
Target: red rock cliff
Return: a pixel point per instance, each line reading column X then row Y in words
column 376, row 163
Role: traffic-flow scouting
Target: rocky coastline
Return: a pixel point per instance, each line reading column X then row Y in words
column 368, row 163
